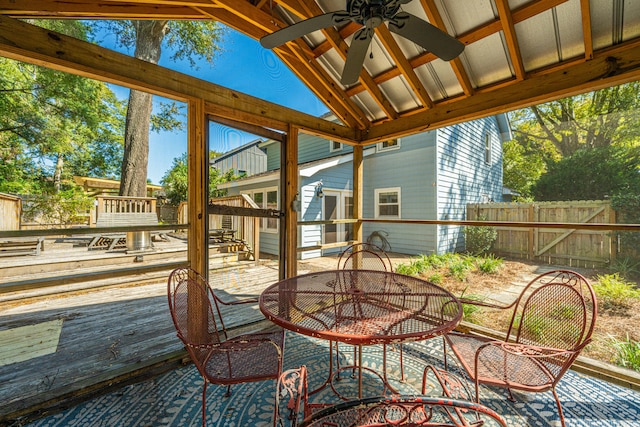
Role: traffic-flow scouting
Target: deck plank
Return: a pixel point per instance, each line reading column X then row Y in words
column 110, row 329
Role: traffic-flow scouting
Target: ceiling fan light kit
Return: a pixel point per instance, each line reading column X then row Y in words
column 371, row 14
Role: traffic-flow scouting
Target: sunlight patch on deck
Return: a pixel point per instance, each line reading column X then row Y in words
column 26, row 342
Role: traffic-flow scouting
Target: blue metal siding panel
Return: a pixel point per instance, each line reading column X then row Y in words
column 412, row 167
column 463, row 175
column 312, row 148
column 273, row 156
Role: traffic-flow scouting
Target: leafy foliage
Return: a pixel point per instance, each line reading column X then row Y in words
column 580, row 147
column 62, row 208
column 627, row 353
column 450, row 264
column 175, row 181
column 627, row 206
column 55, row 125
column 614, row 292
column 479, row 239
column 593, row 174
column 187, row 40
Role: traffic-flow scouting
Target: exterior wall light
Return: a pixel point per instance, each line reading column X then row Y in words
column 319, row 193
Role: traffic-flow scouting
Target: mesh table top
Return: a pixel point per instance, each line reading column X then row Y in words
column 361, row 307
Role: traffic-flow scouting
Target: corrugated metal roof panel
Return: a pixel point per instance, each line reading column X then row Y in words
column 487, row 61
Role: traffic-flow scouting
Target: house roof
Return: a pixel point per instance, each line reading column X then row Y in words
column 517, row 53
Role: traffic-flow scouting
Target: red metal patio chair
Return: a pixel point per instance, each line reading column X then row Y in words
column 219, row 359
column 405, row 410
column 552, row 321
column 364, row 256
column 367, row 256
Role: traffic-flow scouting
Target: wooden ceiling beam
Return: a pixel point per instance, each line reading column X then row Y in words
column 71, row 9
column 35, row 45
column 349, row 112
column 308, row 10
column 403, row 65
column 609, row 67
column 522, row 13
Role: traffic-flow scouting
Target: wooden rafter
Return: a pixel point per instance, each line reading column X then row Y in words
column 585, row 11
column 509, row 32
column 456, row 64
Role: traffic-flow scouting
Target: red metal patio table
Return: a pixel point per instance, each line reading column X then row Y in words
column 361, row 307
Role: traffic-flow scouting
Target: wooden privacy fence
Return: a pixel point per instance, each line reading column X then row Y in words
column 580, row 248
column 10, row 212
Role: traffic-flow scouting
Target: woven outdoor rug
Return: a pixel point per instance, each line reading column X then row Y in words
column 174, row 399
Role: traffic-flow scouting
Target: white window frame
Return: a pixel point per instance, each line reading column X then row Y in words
column 377, row 193
column 383, row 146
column 266, row 223
column 335, row 146
column 488, row 148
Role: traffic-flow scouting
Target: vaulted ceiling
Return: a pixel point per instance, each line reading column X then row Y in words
column 517, row 53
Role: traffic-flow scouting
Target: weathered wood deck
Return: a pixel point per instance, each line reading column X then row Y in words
column 74, row 343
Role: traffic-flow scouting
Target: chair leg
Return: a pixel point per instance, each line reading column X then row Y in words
column 228, row 393
column 555, row 394
column 204, row 404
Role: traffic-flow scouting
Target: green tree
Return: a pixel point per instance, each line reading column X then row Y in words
column 593, row 174
column 52, row 122
column 546, row 136
column 592, row 120
column 186, row 40
column 176, row 184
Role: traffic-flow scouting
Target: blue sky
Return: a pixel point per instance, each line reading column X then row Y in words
column 242, row 65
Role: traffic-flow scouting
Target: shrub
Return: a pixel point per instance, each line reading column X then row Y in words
column 479, row 239
column 614, row 292
column 460, row 267
column 489, row 264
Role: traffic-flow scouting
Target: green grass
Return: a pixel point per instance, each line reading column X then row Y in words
column 627, row 353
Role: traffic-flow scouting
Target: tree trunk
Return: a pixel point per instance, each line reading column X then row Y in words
column 133, row 180
column 57, row 175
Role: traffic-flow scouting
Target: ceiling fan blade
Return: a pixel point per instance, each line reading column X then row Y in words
column 302, row 28
column 355, row 56
column 426, row 35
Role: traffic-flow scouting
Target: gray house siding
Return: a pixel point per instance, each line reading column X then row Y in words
column 464, row 176
column 437, row 173
column 251, row 160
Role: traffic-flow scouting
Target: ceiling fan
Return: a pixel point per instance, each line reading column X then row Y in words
column 371, row 14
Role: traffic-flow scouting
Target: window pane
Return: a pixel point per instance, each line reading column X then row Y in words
column 258, row 198
column 388, row 197
column 389, row 210
column 272, row 203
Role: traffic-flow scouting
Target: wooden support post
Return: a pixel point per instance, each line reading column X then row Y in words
column 197, row 247
column 357, row 191
column 290, row 192
column 198, row 165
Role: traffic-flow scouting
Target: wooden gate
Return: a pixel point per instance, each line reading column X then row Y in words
column 580, row 248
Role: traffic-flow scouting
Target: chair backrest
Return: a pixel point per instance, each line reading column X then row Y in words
column 191, row 304
column 557, row 309
column 406, row 410
column 364, row 256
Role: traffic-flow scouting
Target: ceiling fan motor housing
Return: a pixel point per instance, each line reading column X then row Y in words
column 372, row 13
